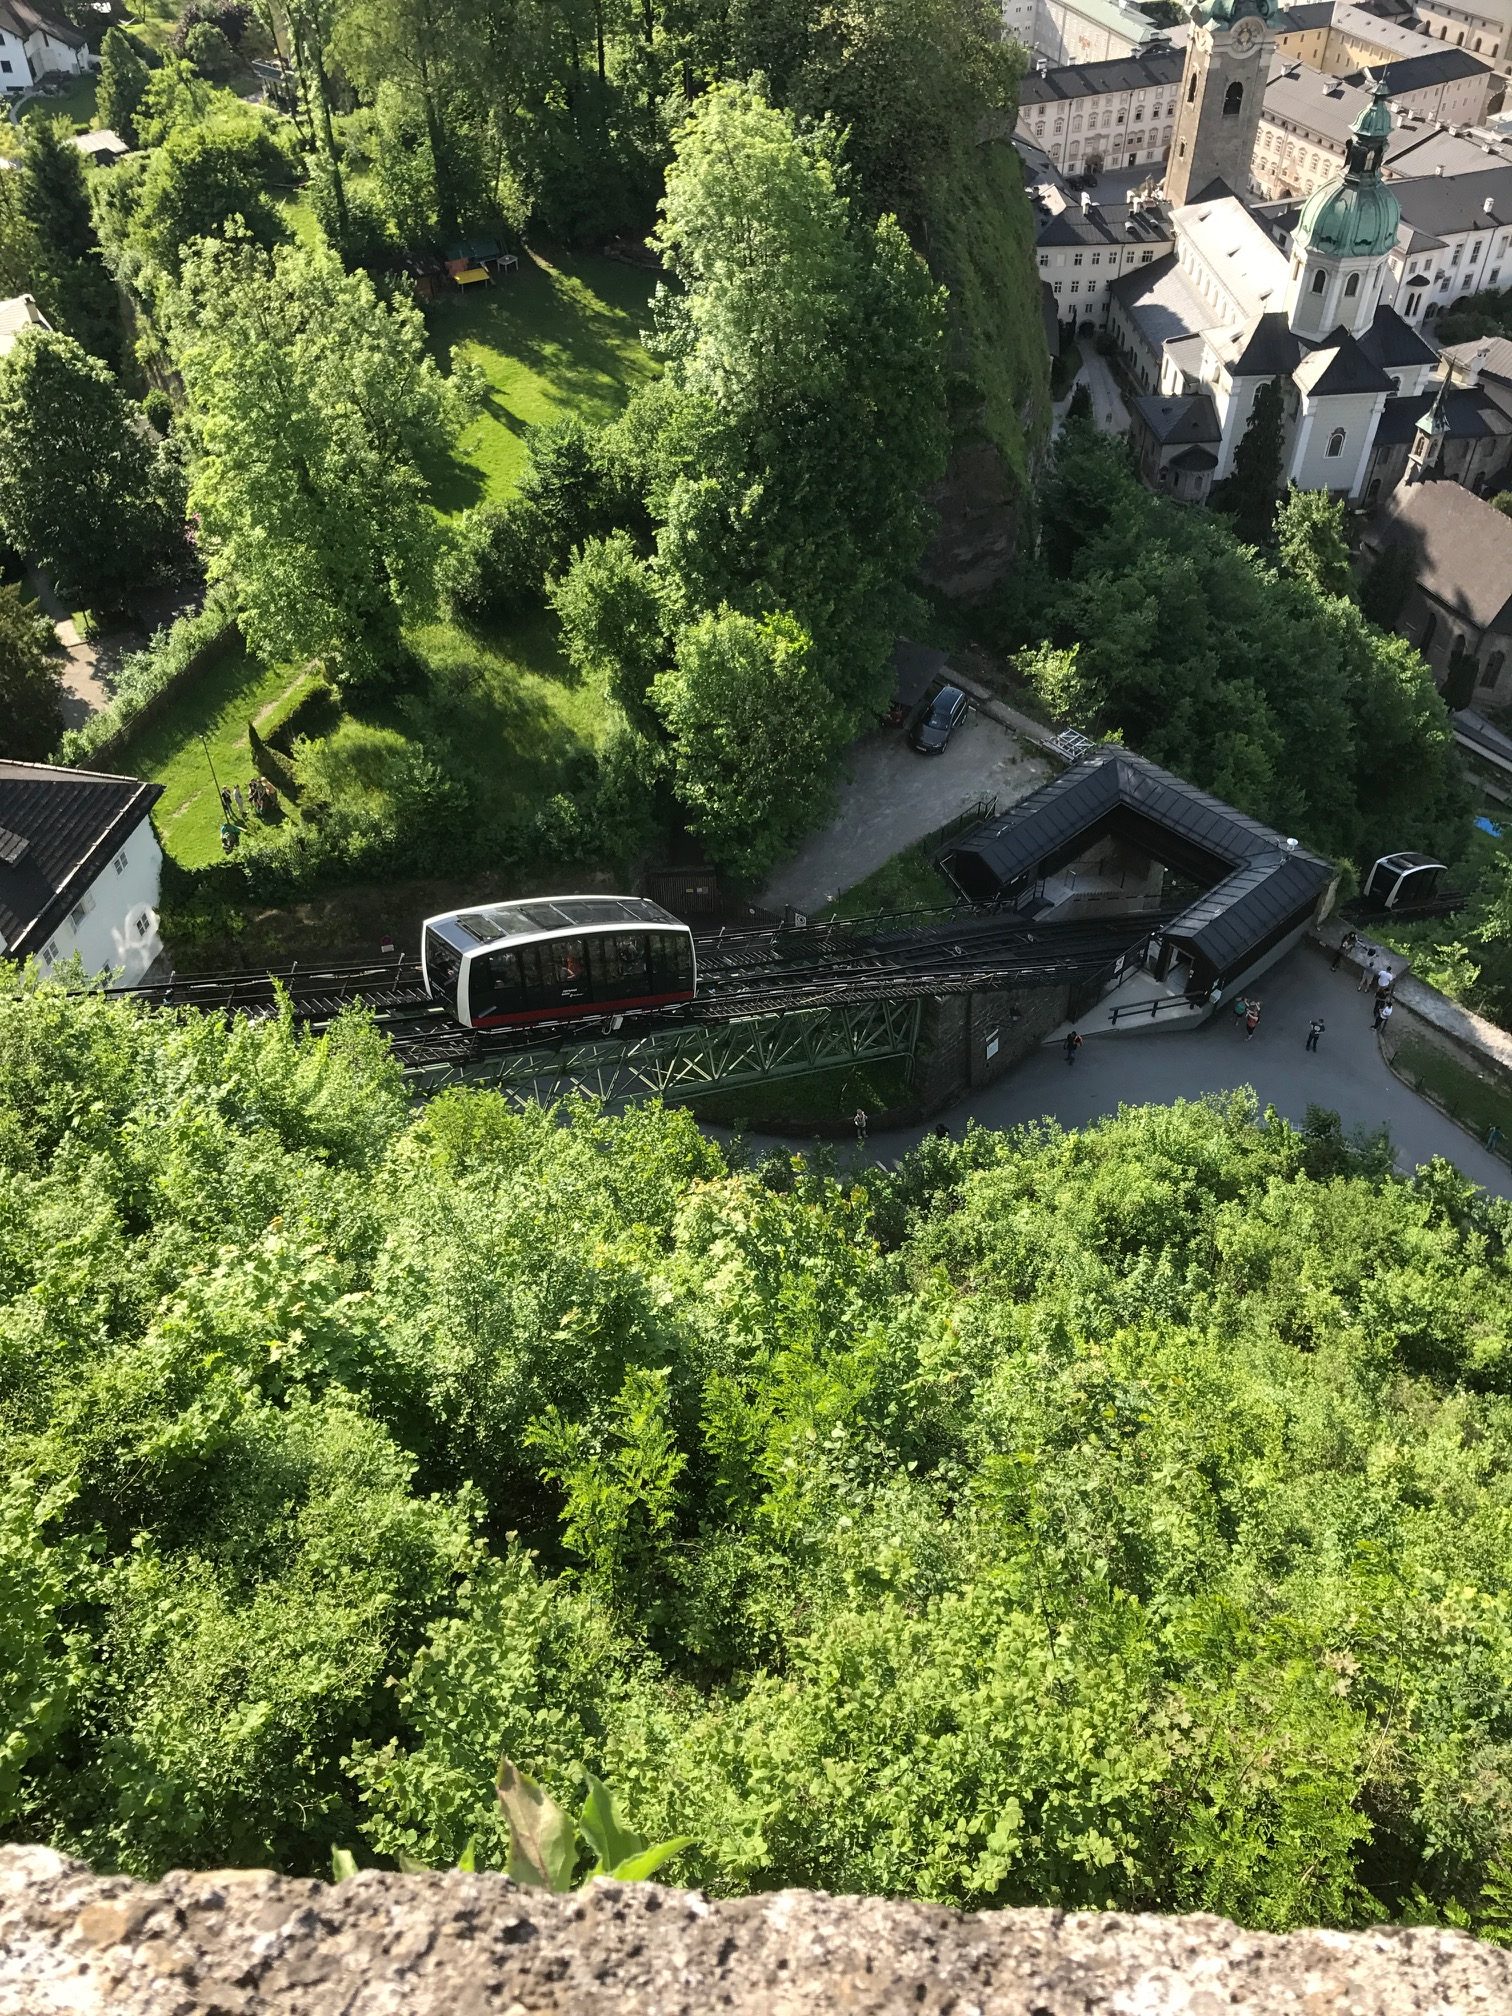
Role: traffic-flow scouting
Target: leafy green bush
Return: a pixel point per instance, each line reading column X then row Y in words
column 493, row 568
column 1113, row 1518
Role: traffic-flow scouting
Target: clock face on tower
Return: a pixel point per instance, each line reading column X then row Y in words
column 1246, row 34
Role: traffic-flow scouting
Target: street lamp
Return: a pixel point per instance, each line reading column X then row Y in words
column 213, row 778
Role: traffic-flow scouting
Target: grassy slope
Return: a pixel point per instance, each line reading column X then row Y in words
column 218, row 705
column 505, row 712
column 558, row 337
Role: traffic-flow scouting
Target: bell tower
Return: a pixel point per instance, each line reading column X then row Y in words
column 1228, row 63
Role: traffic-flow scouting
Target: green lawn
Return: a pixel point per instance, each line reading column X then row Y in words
column 217, row 705
column 76, row 102
column 562, row 335
column 1478, row 1100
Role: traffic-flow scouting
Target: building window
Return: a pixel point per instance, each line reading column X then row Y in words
column 81, row 910
column 1076, row 286
column 50, row 952
column 1057, row 286
column 1192, row 88
column 1336, row 443
column 1493, row 666
column 5, row 68
column 1430, row 630
column 1044, row 260
column 120, row 861
column 1233, row 98
column 144, row 923
column 1474, row 252
column 1076, row 258
column 1145, row 258
column 1352, row 285
column 1097, row 258
column 1320, row 281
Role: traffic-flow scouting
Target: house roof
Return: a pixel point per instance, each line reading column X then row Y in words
column 60, row 827
column 1497, row 362
column 1309, row 14
column 1195, row 460
column 1162, row 302
column 1257, row 883
column 1466, row 414
column 1268, row 348
column 1393, row 343
column 1439, row 205
column 1339, row 366
column 1159, row 67
column 1248, row 263
column 20, row 312
column 1191, row 417
column 1364, row 24
column 1105, row 224
column 24, row 20
column 1460, row 546
column 1421, row 72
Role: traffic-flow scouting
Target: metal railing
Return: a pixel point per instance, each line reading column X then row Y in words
column 1130, row 1010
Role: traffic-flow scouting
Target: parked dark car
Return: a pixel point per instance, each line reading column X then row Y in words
column 939, row 721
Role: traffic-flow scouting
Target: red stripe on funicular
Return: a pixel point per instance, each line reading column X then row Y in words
column 572, row 1008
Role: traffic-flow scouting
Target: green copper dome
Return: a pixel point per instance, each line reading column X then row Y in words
column 1353, row 220
column 1223, row 12
column 1356, row 216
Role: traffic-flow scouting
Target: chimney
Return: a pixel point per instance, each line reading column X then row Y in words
column 1438, row 167
column 1488, row 208
column 1086, row 200
column 1477, row 364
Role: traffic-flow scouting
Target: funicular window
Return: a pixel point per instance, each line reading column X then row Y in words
column 443, row 963
column 617, row 962
column 494, row 987
column 671, row 963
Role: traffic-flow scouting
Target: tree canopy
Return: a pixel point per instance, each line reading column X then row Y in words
column 311, row 403
column 1102, row 1518
column 31, row 685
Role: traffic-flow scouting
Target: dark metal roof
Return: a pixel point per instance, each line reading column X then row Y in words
column 72, row 822
column 1089, row 80
column 1339, row 366
column 1195, row 460
column 1171, row 416
column 1392, row 343
column 1418, row 73
column 1270, row 349
column 1259, row 883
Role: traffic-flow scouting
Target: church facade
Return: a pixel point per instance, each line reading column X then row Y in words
column 1238, row 306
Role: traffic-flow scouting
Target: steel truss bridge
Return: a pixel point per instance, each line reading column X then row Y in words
column 773, row 1002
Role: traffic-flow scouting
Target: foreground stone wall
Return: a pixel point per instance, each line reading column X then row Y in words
column 246, row 1943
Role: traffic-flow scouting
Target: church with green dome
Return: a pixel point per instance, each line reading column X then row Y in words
column 1244, row 302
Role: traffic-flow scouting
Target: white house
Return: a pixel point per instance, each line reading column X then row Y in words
column 35, row 44
column 20, row 312
column 80, row 869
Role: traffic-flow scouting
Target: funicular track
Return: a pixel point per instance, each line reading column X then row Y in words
column 781, row 984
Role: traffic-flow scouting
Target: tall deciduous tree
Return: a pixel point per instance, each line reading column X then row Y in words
column 805, row 413
column 609, row 606
column 31, row 686
column 85, row 487
column 753, row 735
column 312, row 403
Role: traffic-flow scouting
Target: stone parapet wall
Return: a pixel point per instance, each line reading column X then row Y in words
column 247, row 1943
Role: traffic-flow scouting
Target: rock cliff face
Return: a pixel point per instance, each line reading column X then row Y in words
column 246, row 1943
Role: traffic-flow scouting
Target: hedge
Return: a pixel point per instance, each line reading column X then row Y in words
column 148, row 678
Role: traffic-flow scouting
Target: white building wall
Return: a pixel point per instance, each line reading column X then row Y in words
column 119, row 928
column 1422, row 285
column 1313, row 468
column 15, row 70
column 49, row 57
column 1079, row 275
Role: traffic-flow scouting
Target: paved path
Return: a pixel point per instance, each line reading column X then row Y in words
column 1347, row 1073
column 893, row 797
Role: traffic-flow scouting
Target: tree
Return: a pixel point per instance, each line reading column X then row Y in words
column 805, row 342
column 31, row 685
column 122, row 83
column 1502, row 502
column 1312, row 542
column 1249, row 495
column 312, row 404
column 1389, row 580
column 207, row 49
column 207, row 175
column 68, row 276
column 609, row 606
column 84, row 486
column 753, row 735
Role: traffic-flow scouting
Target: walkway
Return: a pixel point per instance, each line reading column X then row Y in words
column 1110, row 415
column 1347, row 1073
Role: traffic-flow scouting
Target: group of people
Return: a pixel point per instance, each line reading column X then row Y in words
column 262, row 798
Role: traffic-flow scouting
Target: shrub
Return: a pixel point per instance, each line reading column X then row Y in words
column 158, row 407
column 311, row 714
column 208, row 50
column 494, row 567
column 231, row 17
column 178, row 652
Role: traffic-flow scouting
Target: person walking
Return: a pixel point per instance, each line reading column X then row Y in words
column 1072, row 1044
column 1368, row 970
column 1241, row 1009
column 1382, row 1011
column 859, row 1120
column 1251, row 1021
column 1346, row 946
column 1314, row 1031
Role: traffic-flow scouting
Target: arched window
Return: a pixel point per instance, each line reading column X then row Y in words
column 1493, row 666
column 1320, row 281
column 1336, row 442
column 1233, row 98
column 1192, row 88
column 1374, row 491
column 1430, row 631
column 1352, row 284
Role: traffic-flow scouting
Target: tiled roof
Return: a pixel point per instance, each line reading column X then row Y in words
column 1393, row 343
column 1188, row 417
column 1340, row 366
column 1420, row 73
column 71, row 822
column 1160, row 68
column 1460, row 546
column 1267, row 349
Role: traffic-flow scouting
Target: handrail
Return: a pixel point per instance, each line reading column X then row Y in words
column 1152, row 1008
